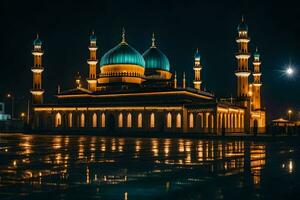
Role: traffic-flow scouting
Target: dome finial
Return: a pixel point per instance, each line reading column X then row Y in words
column 153, row 40
column 37, row 36
column 123, row 35
column 243, row 18
column 256, row 49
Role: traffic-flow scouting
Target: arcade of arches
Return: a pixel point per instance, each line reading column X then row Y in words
column 176, row 120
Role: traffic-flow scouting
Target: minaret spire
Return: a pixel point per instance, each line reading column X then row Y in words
column 175, row 80
column 37, row 70
column 197, row 71
column 183, row 81
column 153, row 41
column 92, row 62
column 123, row 35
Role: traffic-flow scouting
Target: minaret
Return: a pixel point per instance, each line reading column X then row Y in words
column 183, row 81
column 175, row 80
column 256, row 101
column 197, row 71
column 92, row 61
column 242, row 72
column 37, row 70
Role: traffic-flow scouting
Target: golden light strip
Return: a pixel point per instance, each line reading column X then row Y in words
column 228, row 110
column 135, row 94
column 106, row 108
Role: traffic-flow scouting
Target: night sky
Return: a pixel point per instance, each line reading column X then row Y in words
column 180, row 26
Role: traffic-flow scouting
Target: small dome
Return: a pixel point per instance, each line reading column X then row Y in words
column 122, row 54
column 93, row 37
column 242, row 26
column 256, row 55
column 155, row 59
column 37, row 41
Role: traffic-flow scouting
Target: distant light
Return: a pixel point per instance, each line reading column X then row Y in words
column 289, row 71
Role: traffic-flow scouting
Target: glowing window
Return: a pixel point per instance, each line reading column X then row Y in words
column 129, row 120
column 169, row 120
column 103, row 120
column 120, row 120
column 140, row 120
column 94, row 120
column 178, row 120
column 191, row 120
column 82, row 120
column 152, row 120
column 70, row 120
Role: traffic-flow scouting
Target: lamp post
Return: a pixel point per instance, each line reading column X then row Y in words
column 290, row 113
column 10, row 96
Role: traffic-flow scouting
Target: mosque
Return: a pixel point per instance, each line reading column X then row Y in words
column 132, row 92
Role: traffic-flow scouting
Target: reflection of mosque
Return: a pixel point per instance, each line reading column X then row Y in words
column 135, row 92
column 212, row 157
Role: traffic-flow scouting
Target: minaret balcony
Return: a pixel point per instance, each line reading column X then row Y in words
column 197, row 68
column 92, row 62
column 37, row 69
column 244, row 73
column 242, row 39
column 256, row 74
column 242, row 55
column 37, row 91
column 37, row 52
column 90, row 80
column 256, row 62
column 93, row 48
column 197, row 82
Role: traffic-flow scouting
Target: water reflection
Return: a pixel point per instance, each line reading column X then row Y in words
column 165, row 164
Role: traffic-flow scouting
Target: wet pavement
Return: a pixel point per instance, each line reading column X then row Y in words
column 95, row 167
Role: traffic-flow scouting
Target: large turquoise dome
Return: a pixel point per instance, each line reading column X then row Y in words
column 155, row 59
column 122, row 54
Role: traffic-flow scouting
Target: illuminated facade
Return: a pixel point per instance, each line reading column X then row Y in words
column 137, row 92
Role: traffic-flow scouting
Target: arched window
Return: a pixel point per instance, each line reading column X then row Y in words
column 129, row 120
column 169, row 120
column 70, row 120
column 242, row 121
column 94, row 120
column 82, row 120
column 120, row 120
column 57, row 120
column 140, row 120
column 178, row 120
column 191, row 120
column 200, row 117
column 103, row 120
column 152, row 120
